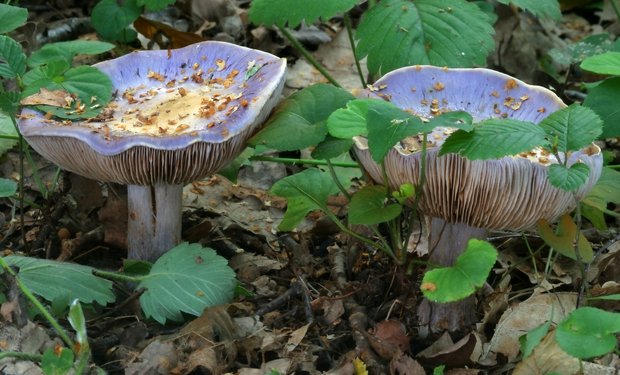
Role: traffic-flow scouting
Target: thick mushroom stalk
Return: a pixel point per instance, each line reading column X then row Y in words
column 463, row 198
column 177, row 117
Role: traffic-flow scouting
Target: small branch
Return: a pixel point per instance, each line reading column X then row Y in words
column 117, row 276
column 298, row 46
column 21, row 356
column 293, row 291
column 304, row 161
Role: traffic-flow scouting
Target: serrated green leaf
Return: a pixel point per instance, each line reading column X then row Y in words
column 50, row 280
column 470, row 271
column 606, row 190
column 66, row 51
column 305, row 192
column 604, row 99
column 568, row 179
column 576, row 52
column 530, row 340
column 368, row 206
column 110, row 19
column 188, row 278
column 7, row 128
column 455, row 119
column 562, row 240
column 331, row 147
column 397, row 33
column 606, row 63
column 387, row 127
column 573, row 127
column 12, row 17
column 588, row 332
column 293, row 12
column 299, row 121
column 9, row 102
column 494, row 138
column 155, row 4
column 8, row 188
column 540, row 9
column 12, row 58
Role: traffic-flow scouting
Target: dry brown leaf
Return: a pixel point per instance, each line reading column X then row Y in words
column 547, row 357
column 403, row 364
column 296, row 337
column 56, row 98
column 464, row 352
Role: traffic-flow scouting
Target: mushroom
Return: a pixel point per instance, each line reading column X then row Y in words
column 463, row 198
column 176, row 116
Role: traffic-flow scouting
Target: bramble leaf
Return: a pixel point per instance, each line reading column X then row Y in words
column 605, row 63
column 470, row 271
column 299, row 121
column 588, row 332
column 494, row 138
column 604, row 99
column 397, row 33
column 188, row 278
column 540, row 9
column 12, row 17
column 305, row 192
column 12, row 58
column 293, row 12
column 110, row 19
column 573, row 127
column 388, row 126
column 66, row 51
column 368, row 206
column 568, row 178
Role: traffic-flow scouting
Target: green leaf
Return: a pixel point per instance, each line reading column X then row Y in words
column 470, row 271
column 12, row 58
column 405, row 191
column 540, row 9
column 12, row 17
column 155, row 4
column 576, row 52
column 8, row 188
column 573, row 127
column 293, row 12
column 568, row 178
column 305, row 192
column 606, row 63
column 349, row 122
column 50, row 280
column 345, row 175
column 188, row 278
column 299, row 121
column 110, row 19
column 368, row 206
column 231, row 171
column 530, row 340
column 7, row 128
column 494, row 138
column 397, row 33
column 389, row 126
column 9, row 102
column 604, row 99
column 606, row 190
column 588, row 332
column 455, row 119
column 331, row 147
column 57, row 362
column 563, row 239
column 66, row 51
column 78, row 322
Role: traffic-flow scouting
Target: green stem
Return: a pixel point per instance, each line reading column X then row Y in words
column 613, row 166
column 20, row 143
column 347, row 24
column 11, row 137
column 298, row 46
column 344, row 228
column 39, row 306
column 22, row 356
column 304, row 161
column 616, row 6
column 118, row 276
column 332, row 173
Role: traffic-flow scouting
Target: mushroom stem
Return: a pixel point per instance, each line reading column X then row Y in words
column 154, row 224
column 446, row 242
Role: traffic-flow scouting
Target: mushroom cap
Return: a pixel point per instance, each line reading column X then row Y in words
column 176, row 115
column 508, row 193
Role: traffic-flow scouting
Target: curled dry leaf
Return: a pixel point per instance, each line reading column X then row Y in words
column 444, row 352
column 56, row 98
column 546, row 358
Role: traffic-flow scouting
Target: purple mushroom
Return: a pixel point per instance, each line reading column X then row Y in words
column 464, row 198
column 176, row 116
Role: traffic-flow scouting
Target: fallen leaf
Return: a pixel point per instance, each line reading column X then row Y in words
column 546, row 358
column 56, row 98
column 296, row 338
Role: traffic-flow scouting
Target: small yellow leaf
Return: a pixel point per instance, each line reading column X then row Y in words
column 562, row 240
column 360, row 367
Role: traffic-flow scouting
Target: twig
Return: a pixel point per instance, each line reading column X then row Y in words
column 293, row 291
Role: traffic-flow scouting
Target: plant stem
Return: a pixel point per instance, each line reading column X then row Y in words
column 304, row 161
column 22, row 356
column 117, row 276
column 616, row 6
column 21, row 144
column 39, row 306
column 332, row 173
column 613, row 166
column 347, row 24
column 298, row 46
column 344, row 228
column 11, row 137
